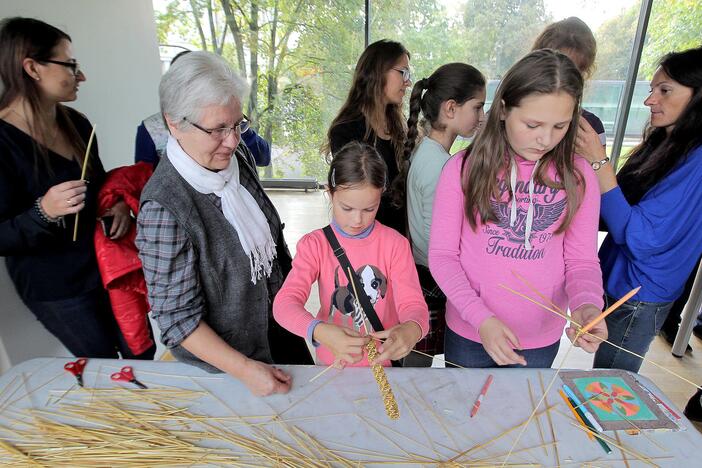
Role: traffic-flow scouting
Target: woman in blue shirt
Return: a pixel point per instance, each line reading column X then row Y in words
column 652, row 209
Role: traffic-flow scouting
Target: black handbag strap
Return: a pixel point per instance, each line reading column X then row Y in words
column 352, row 279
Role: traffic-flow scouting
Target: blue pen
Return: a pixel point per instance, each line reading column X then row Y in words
column 584, row 409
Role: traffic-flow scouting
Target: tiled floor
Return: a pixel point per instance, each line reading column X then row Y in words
column 303, row 212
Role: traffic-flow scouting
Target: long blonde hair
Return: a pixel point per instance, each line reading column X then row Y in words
column 543, row 71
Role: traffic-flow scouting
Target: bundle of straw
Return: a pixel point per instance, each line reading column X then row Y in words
column 124, row 428
column 385, row 390
column 388, row 398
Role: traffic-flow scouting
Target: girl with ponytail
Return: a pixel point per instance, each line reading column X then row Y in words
column 451, row 103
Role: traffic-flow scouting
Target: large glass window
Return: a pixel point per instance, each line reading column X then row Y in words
column 674, row 25
column 493, row 34
column 297, row 56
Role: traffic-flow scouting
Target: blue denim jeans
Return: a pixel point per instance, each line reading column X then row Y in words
column 85, row 325
column 468, row 353
column 632, row 326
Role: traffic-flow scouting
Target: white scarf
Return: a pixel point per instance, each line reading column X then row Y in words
column 239, row 207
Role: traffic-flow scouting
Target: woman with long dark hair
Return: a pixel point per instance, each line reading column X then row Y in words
column 372, row 114
column 42, row 146
column 652, row 209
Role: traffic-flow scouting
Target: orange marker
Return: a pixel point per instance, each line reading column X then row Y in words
column 575, row 413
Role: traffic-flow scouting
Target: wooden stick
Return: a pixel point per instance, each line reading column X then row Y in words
column 542, row 296
column 421, row 426
column 29, row 392
column 308, row 395
column 612, row 441
column 321, row 373
column 643, row 358
column 575, row 413
column 619, row 441
column 82, row 176
column 548, row 389
column 19, row 454
column 550, row 422
column 631, row 423
column 530, row 299
column 609, row 310
column 538, row 421
column 419, row 397
column 496, row 438
column 383, row 435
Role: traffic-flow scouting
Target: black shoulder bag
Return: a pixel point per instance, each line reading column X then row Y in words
column 354, row 281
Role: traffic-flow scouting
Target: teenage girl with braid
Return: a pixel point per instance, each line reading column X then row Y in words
column 451, row 103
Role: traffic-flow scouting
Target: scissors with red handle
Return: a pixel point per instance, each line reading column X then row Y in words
column 76, row 368
column 126, row 374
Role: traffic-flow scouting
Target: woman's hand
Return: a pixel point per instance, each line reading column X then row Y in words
column 499, row 342
column 64, row 198
column 345, row 344
column 587, row 142
column 122, row 219
column 399, row 341
column 582, row 316
column 263, row 379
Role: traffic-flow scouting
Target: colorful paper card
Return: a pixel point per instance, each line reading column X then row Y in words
column 616, row 400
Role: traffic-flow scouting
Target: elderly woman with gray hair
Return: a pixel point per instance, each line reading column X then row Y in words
column 210, row 240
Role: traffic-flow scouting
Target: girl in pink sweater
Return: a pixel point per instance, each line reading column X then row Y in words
column 381, row 258
column 519, row 201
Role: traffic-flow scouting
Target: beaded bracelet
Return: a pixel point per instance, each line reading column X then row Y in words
column 45, row 217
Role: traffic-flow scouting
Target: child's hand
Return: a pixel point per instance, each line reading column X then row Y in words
column 582, row 316
column 499, row 342
column 399, row 341
column 346, row 344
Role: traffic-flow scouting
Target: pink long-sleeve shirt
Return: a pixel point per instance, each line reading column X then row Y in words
column 470, row 266
column 385, row 265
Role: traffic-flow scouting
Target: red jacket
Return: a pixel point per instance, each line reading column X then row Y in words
column 118, row 261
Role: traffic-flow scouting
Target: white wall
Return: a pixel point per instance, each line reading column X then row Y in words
column 116, row 45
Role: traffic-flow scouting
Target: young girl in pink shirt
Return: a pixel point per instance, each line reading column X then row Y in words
column 519, row 201
column 381, row 259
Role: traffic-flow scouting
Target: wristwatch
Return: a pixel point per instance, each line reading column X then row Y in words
column 598, row 164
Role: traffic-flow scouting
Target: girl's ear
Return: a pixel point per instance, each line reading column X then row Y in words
column 503, row 114
column 448, row 108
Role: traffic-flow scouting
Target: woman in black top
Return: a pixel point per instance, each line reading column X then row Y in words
column 372, row 113
column 42, row 146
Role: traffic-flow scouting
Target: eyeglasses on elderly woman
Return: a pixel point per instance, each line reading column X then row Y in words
column 223, row 132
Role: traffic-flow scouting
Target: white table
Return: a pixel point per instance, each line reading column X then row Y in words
column 343, row 411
